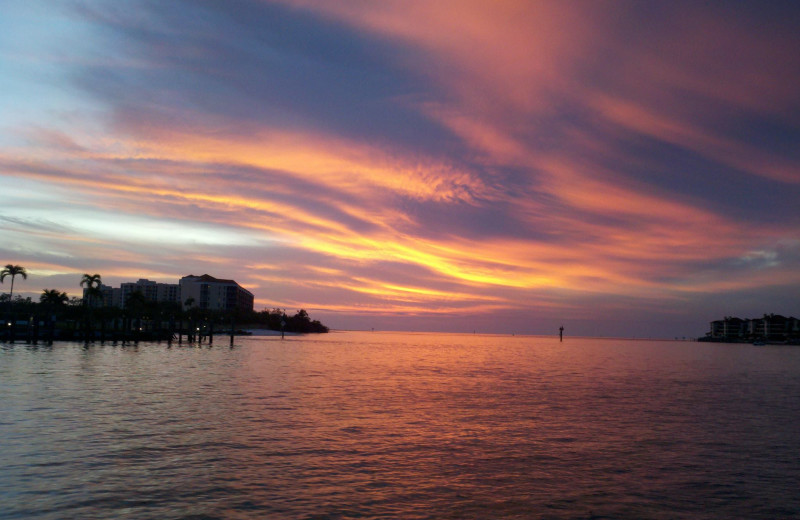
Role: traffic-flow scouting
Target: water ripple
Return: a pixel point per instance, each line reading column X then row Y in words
column 361, row 425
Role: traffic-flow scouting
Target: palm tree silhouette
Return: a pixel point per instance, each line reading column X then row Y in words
column 12, row 271
column 92, row 283
column 91, row 280
column 53, row 297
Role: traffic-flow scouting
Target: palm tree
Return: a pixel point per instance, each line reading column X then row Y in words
column 12, row 271
column 92, row 283
column 53, row 297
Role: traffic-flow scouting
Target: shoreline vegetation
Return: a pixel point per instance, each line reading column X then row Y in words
column 57, row 317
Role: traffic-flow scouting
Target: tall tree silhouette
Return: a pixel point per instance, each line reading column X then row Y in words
column 52, row 299
column 13, row 271
column 92, row 283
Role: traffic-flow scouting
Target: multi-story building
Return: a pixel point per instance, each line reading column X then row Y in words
column 106, row 298
column 207, row 292
column 729, row 328
column 772, row 327
column 152, row 291
column 204, row 292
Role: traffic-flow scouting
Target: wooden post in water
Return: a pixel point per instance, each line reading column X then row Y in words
column 211, row 332
column 233, row 327
column 51, row 329
column 561, row 333
column 35, row 330
column 86, row 326
column 170, row 329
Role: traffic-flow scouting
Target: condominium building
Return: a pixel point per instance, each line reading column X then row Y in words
column 204, row 292
column 772, row 327
column 152, row 291
column 108, row 297
column 207, row 292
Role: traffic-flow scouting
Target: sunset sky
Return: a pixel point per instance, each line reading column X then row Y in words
column 621, row 168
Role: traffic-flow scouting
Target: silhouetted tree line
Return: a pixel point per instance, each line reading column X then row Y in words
column 273, row 319
column 56, row 316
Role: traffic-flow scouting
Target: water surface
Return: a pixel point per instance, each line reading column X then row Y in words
column 388, row 425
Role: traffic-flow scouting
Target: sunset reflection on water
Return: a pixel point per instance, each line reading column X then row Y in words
column 390, row 425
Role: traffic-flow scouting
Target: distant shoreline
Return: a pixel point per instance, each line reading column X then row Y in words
column 512, row 334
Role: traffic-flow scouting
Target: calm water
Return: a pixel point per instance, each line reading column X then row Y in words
column 379, row 425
